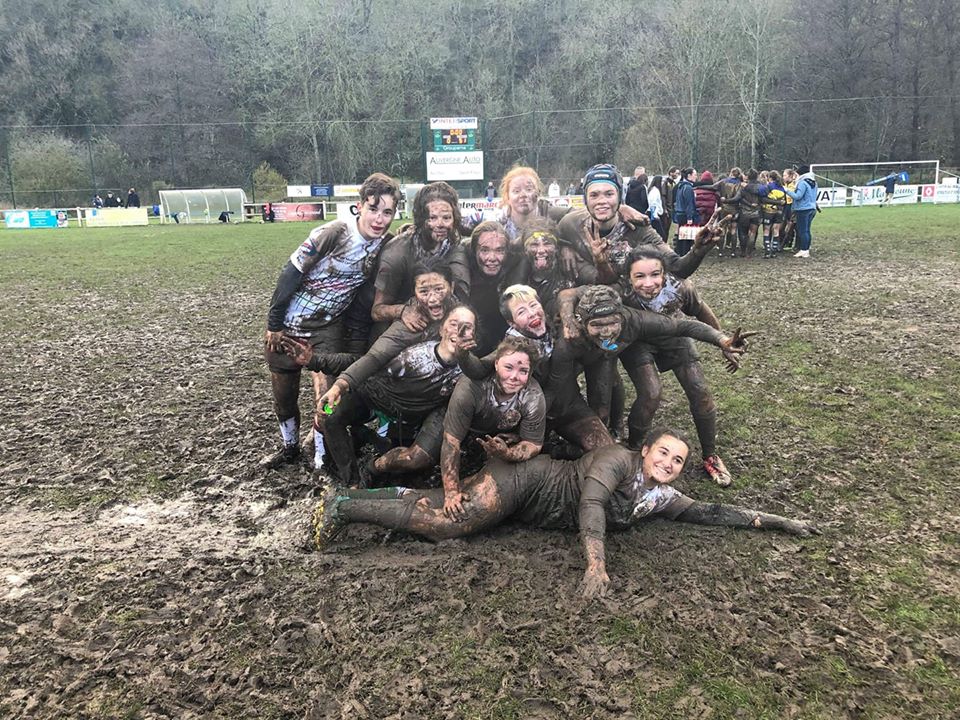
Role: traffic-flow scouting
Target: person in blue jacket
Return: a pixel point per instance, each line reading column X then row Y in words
column 804, row 208
column 685, row 208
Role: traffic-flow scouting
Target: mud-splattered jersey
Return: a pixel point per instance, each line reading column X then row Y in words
column 613, row 492
column 335, row 259
column 676, row 299
column 474, row 407
column 414, row 382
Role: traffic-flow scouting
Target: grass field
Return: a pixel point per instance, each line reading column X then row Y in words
column 150, row 571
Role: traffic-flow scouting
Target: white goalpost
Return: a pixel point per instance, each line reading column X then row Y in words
column 862, row 183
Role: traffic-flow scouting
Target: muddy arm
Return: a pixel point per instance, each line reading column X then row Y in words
column 734, row 516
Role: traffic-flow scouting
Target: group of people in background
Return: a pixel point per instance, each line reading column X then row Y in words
column 500, row 337
column 778, row 208
column 114, row 201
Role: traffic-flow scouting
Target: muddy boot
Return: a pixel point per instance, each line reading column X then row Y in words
column 325, row 523
column 287, row 455
column 714, row 467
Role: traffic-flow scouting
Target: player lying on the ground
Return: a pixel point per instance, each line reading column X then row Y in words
column 611, row 486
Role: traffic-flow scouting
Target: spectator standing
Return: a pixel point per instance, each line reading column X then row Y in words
column 111, row 201
column 655, row 203
column 491, row 191
column 804, row 208
column 571, row 189
column 133, row 200
column 684, row 208
column 97, row 201
column 705, row 197
column 554, row 190
column 668, row 189
column 636, row 196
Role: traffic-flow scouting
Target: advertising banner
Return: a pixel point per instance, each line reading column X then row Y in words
column 297, row 212
column 946, row 193
column 866, row 195
column 346, row 191
column 455, row 166
column 905, row 194
column 298, row 191
column 346, row 210
column 832, row 197
column 115, row 217
column 448, row 123
column 570, row 201
column 324, row 191
column 928, row 193
column 24, row 219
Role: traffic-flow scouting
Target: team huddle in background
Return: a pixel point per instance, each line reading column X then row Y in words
column 469, row 337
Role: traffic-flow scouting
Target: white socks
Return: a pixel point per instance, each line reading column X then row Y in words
column 290, row 430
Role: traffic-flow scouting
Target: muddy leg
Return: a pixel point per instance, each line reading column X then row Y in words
column 403, row 460
column 424, row 516
column 338, row 438
column 646, row 381
column 589, row 433
column 702, row 406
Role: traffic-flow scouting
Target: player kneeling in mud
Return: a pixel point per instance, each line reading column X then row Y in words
column 611, row 486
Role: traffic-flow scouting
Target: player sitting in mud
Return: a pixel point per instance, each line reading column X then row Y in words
column 567, row 412
column 652, row 288
column 506, row 413
column 410, row 388
column 612, row 486
column 314, row 290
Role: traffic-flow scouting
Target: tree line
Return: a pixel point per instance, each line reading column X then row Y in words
column 199, row 93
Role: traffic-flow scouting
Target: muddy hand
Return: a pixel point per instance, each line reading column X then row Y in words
column 413, row 318
column 494, row 446
column 300, row 350
column 739, row 338
column 453, row 505
column 568, row 259
column 632, row 217
column 594, row 584
column 273, row 341
column 330, row 399
column 801, row 528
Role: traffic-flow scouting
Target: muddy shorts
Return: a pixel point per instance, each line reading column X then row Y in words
column 787, row 212
column 426, row 432
column 568, row 411
column 668, row 354
column 748, row 218
column 328, row 339
column 770, row 218
column 541, row 492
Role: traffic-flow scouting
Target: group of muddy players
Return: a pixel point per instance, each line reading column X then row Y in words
column 448, row 341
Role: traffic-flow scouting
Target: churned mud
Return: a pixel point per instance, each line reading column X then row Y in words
column 148, row 569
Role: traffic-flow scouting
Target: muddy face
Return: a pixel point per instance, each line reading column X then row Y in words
column 603, row 331
column 375, row 216
column 460, row 324
column 522, row 195
column 528, row 316
column 491, row 250
column 542, row 251
column 439, row 221
column 513, row 372
column 431, row 291
column 663, row 460
column 647, row 278
column 602, row 200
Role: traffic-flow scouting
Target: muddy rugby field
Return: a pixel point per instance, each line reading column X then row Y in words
column 149, row 570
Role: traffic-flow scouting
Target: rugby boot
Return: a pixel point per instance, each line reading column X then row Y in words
column 287, row 455
column 717, row 471
column 326, row 525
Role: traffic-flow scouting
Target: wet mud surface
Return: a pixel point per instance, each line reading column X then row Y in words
column 148, row 569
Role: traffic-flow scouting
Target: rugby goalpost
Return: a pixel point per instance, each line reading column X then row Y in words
column 855, row 176
column 201, row 205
